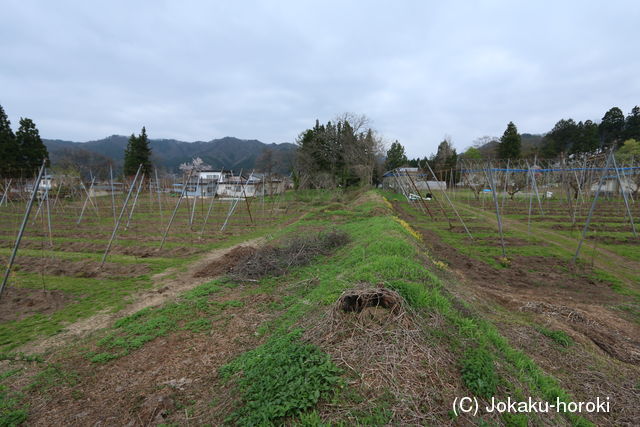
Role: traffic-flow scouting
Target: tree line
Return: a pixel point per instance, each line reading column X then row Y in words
column 22, row 152
column 568, row 137
column 342, row 153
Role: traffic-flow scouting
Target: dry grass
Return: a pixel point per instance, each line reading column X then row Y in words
column 278, row 260
column 381, row 342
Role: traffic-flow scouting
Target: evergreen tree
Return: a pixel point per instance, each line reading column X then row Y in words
column 31, row 149
column 137, row 153
column 561, row 139
column 587, row 140
column 396, row 156
column 8, row 147
column 632, row 124
column 442, row 160
column 510, row 143
column 612, row 127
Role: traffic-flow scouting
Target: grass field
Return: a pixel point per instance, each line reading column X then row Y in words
column 323, row 308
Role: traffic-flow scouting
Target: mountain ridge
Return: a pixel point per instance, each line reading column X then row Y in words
column 227, row 152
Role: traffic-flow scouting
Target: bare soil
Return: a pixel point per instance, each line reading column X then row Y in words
column 226, row 263
column 18, row 303
column 167, row 287
column 551, row 292
column 52, row 266
column 167, row 381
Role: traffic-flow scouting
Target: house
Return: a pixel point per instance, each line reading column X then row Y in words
column 225, row 184
column 408, row 177
column 612, row 187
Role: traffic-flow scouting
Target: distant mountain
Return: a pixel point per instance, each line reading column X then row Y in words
column 531, row 144
column 168, row 154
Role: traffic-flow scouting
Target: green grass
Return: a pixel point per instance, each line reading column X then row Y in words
column 193, row 311
column 12, row 412
column 478, row 372
column 559, row 337
column 382, row 251
column 281, row 378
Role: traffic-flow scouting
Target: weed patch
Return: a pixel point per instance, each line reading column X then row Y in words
column 281, row 378
column 478, row 372
column 559, row 337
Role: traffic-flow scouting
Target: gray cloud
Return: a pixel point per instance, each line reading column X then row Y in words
column 200, row 70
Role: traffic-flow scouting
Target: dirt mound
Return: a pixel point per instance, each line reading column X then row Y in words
column 18, row 303
column 226, row 263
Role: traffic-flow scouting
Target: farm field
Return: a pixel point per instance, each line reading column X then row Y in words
column 321, row 308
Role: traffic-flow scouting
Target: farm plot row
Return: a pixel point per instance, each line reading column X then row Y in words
column 591, row 309
column 58, row 279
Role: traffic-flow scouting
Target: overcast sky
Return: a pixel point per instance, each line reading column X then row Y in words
column 420, row 70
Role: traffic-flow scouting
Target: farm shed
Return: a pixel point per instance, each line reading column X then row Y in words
column 404, row 176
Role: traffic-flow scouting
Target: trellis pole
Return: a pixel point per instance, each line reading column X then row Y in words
column 84, row 205
column 232, row 206
column 113, row 197
column 135, row 200
column 159, row 199
column 25, row 220
column 206, row 218
column 593, row 206
column 422, row 202
column 535, row 188
column 124, row 207
column 175, row 210
column 6, row 192
column 195, row 201
column 624, row 196
column 450, row 203
column 245, row 196
column 495, row 201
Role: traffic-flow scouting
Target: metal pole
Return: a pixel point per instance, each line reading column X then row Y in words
column 593, row 206
column 158, row 192
column 624, row 196
column 495, row 201
column 124, row 207
column 175, row 210
column 113, row 197
column 195, row 201
column 245, row 196
column 25, row 220
column 135, row 200
column 535, row 188
column 49, row 218
column 450, row 203
column 206, row 218
column 6, row 191
column 86, row 200
column 415, row 187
